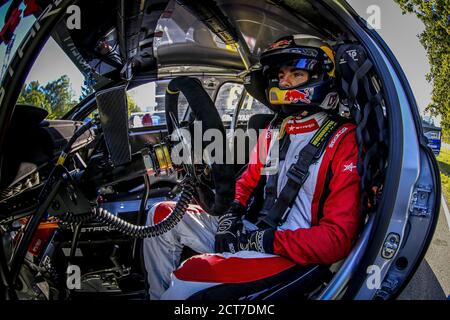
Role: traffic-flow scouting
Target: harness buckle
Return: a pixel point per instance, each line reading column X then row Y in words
column 297, row 175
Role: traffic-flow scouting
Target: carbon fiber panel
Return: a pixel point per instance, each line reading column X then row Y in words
column 113, row 109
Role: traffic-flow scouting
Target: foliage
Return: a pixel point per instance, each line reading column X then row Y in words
column 60, row 96
column 435, row 14
column 445, row 137
column 33, row 94
column 132, row 106
column 56, row 96
column 444, row 166
column 87, row 88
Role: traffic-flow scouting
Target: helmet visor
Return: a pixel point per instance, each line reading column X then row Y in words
column 303, row 64
column 272, row 71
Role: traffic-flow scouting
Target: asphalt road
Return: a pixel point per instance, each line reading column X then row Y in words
column 432, row 279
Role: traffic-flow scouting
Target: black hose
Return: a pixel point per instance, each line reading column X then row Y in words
column 133, row 230
column 142, row 207
column 77, row 219
column 119, row 224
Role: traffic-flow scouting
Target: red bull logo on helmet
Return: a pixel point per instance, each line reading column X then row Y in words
column 294, row 96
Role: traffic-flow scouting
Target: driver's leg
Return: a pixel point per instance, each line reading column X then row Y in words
column 162, row 254
column 229, row 276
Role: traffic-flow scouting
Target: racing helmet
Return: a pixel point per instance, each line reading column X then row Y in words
column 304, row 52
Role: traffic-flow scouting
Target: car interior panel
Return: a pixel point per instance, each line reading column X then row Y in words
column 83, row 183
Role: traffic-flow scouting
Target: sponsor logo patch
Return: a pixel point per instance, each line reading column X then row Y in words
column 295, row 127
column 336, row 137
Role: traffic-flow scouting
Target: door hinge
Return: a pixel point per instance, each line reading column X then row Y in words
column 419, row 204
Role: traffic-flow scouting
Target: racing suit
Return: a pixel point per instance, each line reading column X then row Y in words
column 320, row 228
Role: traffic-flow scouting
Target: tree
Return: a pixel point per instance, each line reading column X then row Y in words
column 435, row 14
column 60, row 96
column 32, row 95
column 132, row 106
column 56, row 96
column 87, row 88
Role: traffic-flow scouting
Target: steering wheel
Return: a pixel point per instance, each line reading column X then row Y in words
column 180, row 133
column 214, row 200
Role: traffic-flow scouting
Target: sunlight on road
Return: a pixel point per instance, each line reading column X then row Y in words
column 446, row 211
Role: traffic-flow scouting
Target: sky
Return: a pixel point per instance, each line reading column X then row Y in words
column 53, row 64
column 399, row 31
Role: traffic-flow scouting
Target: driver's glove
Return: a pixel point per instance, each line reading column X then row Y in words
column 259, row 240
column 229, row 229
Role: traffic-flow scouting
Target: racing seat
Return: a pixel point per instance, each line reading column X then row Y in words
column 256, row 122
column 298, row 282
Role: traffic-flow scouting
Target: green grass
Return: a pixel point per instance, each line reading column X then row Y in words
column 444, row 166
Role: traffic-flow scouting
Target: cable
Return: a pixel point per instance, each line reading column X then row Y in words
column 80, row 131
column 141, row 217
column 75, row 238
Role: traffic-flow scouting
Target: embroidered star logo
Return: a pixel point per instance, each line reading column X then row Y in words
column 349, row 167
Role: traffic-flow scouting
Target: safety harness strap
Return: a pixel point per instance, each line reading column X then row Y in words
column 360, row 88
column 275, row 210
column 271, row 184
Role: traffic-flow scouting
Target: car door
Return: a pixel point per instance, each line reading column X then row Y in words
column 396, row 239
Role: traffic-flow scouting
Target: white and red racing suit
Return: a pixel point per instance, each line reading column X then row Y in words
column 320, row 229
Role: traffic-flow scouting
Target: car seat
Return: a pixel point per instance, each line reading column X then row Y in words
column 298, row 283
column 256, row 122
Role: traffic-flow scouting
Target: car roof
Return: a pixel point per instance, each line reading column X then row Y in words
column 173, row 37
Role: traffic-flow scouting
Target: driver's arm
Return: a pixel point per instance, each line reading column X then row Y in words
column 248, row 181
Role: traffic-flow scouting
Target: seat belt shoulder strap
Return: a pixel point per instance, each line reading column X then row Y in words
column 276, row 213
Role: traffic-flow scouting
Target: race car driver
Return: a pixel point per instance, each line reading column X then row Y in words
column 319, row 215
